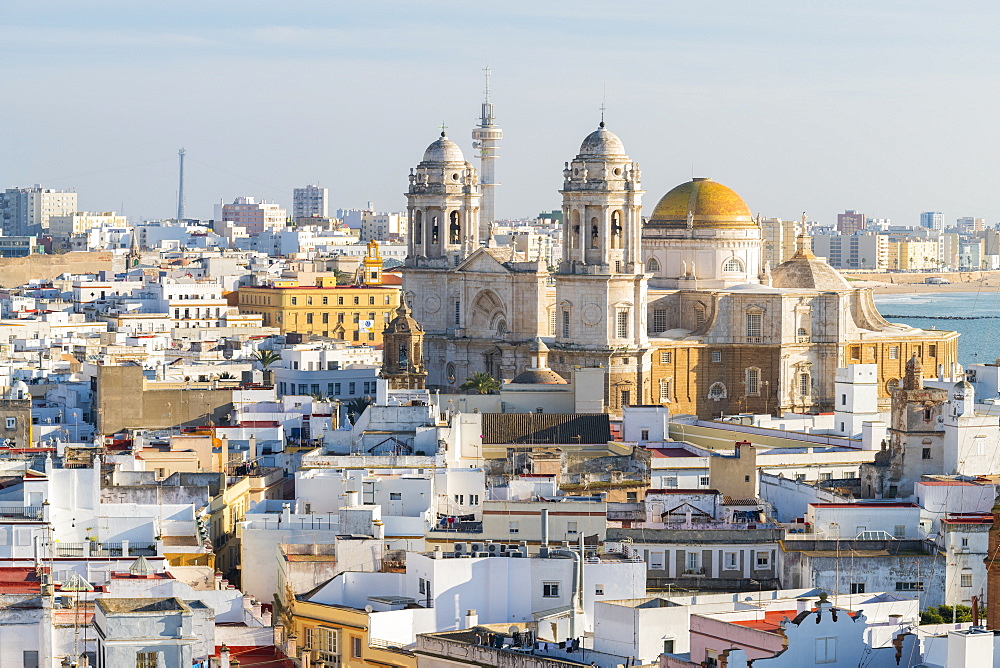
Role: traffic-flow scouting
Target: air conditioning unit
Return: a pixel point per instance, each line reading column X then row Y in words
column 516, row 555
column 464, row 556
column 494, row 548
column 477, row 547
column 482, row 554
column 461, row 548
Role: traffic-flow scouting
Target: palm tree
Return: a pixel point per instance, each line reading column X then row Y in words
column 481, row 382
column 357, row 406
column 266, row 357
column 225, row 375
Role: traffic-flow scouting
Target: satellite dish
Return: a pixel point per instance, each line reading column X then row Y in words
column 369, row 608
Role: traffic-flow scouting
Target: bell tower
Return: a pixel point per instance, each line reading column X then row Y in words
column 443, row 206
column 403, row 351
column 601, row 282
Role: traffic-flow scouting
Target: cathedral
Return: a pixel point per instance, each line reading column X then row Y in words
column 677, row 308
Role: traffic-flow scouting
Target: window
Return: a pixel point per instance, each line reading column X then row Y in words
column 395, row 496
column 633, row 497
column 598, row 590
column 623, row 316
column 309, row 301
column 926, row 453
column 550, row 590
column 826, row 650
column 716, row 355
column 294, row 301
column 351, row 388
column 665, row 357
column 326, row 318
column 699, row 315
column 357, row 300
column 753, row 381
column 909, row 586
column 460, row 499
column 804, row 384
column 669, row 482
column 664, row 390
column 668, row 646
column 340, row 300
column 356, row 647
column 763, row 560
column 966, row 579
column 653, row 264
column 571, row 528
column 802, row 335
column 513, row 527
column 703, row 481
column 656, row 561
column 458, row 312
column 717, row 392
column 473, row 499
column 894, row 352
column 755, row 327
column 371, row 300
column 965, row 541
column 326, row 301
column 336, row 388
column 659, row 320
column 323, row 641
column 693, row 561
column 732, row 264
column 855, row 352
column 730, row 561
column 857, row 587
column 565, row 323
column 422, row 586
column 932, row 350
column 11, row 423
column 644, row 435
column 146, row 660
column 826, row 476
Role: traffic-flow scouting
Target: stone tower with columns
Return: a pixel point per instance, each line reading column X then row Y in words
column 601, row 282
column 403, row 351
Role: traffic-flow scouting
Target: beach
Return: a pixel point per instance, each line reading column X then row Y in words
column 895, row 284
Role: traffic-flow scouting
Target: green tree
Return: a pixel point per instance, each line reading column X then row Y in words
column 942, row 614
column 266, row 358
column 357, row 406
column 225, row 375
column 481, row 383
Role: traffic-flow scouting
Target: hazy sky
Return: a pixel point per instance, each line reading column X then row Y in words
column 886, row 107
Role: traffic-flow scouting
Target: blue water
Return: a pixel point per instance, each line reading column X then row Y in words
column 980, row 340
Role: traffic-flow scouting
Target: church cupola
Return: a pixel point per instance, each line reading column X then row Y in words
column 443, row 206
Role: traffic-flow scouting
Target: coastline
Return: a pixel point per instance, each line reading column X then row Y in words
column 895, row 284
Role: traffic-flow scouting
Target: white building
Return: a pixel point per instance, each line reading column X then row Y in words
column 26, row 211
column 77, row 222
column 310, row 201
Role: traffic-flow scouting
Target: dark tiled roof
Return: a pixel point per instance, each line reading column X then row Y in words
column 542, row 428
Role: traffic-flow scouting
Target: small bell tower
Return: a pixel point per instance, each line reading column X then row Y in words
column 403, row 351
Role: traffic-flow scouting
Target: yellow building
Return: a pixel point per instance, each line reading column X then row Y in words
column 228, row 508
column 335, row 635
column 357, row 312
column 914, row 255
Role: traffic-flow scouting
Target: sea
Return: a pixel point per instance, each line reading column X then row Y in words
column 976, row 315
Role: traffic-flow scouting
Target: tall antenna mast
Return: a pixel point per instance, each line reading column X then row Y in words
column 180, row 186
column 486, row 138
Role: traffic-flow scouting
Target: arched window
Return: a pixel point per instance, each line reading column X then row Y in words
column 574, row 237
column 732, row 264
column 595, row 233
column 454, row 229
column 434, row 229
column 753, row 381
column 501, row 328
column 616, row 229
column 717, row 392
column 653, row 264
column 802, row 335
column 450, row 371
column 403, row 361
column 418, row 227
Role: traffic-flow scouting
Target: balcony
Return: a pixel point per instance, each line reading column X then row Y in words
column 25, row 513
column 628, row 512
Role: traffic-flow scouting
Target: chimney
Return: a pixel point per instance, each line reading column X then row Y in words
column 224, row 656
column 286, row 513
column 352, row 499
column 436, row 554
column 471, row 619
column 378, row 530
column 802, row 605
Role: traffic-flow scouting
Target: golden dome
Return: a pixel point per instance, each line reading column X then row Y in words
column 709, row 204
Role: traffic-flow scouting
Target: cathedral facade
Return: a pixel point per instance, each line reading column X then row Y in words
column 677, row 308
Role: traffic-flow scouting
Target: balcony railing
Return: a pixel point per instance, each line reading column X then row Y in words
column 28, row 513
column 459, row 527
